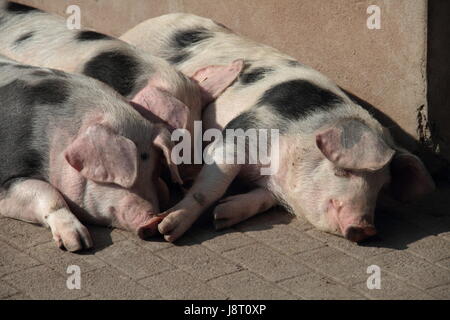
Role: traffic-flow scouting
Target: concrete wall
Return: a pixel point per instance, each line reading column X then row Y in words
column 385, row 68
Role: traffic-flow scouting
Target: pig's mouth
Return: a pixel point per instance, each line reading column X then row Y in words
column 150, row 228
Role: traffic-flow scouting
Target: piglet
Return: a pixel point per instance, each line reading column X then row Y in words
column 73, row 150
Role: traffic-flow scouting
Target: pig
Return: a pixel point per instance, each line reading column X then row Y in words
column 34, row 37
column 333, row 156
column 73, row 149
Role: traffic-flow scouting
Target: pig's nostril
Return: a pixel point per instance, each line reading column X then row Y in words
column 370, row 231
column 357, row 234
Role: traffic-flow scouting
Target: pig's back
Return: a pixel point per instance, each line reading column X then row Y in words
column 191, row 42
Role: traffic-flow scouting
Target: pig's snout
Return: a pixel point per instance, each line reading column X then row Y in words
column 356, row 233
column 150, row 228
column 353, row 225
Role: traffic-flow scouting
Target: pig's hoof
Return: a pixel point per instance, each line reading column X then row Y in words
column 68, row 232
column 175, row 225
column 150, row 228
column 73, row 240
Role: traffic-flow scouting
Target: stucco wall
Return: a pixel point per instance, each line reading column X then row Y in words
column 385, row 68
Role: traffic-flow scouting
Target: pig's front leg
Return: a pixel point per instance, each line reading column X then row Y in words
column 37, row 201
column 237, row 208
column 211, row 184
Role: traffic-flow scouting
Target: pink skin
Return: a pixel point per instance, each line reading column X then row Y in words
column 333, row 199
column 88, row 184
column 352, row 226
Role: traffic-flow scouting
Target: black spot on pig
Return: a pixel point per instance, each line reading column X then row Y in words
column 293, row 63
column 183, row 39
column 19, row 158
column 246, row 120
column 254, row 75
column 186, row 38
column 48, row 91
column 295, row 99
column 23, row 37
column 41, row 73
column 23, row 66
column 117, row 69
column 178, row 58
column 91, row 36
column 18, row 8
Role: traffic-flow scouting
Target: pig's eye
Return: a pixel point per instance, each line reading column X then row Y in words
column 144, row 156
column 341, row 173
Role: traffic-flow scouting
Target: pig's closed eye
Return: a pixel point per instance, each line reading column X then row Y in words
column 341, row 173
column 144, row 156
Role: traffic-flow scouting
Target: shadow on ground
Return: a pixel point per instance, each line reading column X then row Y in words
column 398, row 224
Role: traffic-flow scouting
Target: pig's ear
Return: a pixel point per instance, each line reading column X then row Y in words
column 101, row 155
column 409, row 177
column 213, row 80
column 163, row 142
column 152, row 101
column 353, row 145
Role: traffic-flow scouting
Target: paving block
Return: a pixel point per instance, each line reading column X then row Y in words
column 19, row 296
column 41, row 282
column 6, row 290
column 153, row 244
column 177, row 284
column 12, row 260
column 444, row 263
column 223, row 240
column 442, row 292
column 285, row 238
column 314, row 286
column 266, row 262
column 133, row 260
column 361, row 251
column 59, row 260
column 104, row 237
column 335, row 263
column 392, row 289
column 431, row 248
column 198, row 261
column 107, row 283
column 415, row 270
column 23, row 234
column 245, row 285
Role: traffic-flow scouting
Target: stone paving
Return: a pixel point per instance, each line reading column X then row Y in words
column 271, row 256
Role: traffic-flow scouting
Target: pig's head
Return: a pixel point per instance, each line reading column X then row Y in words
column 334, row 176
column 117, row 162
